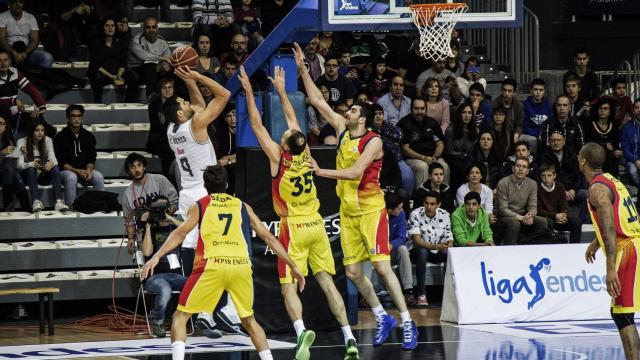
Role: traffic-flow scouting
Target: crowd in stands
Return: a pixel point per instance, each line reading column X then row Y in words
column 461, row 167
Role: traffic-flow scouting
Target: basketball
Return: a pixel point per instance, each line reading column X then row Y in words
column 185, row 56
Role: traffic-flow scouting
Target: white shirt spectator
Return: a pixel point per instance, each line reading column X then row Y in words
column 23, row 164
column 464, row 84
column 486, row 196
column 436, row 230
column 18, row 30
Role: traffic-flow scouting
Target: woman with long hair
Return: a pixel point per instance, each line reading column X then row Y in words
column 502, row 133
column 475, row 176
column 11, row 181
column 209, row 64
column 603, row 129
column 38, row 165
column 437, row 105
column 461, row 136
column 485, row 153
column 470, row 76
column 108, row 63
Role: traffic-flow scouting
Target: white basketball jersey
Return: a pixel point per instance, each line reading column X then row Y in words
column 192, row 156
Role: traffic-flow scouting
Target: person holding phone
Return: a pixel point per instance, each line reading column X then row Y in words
column 470, row 76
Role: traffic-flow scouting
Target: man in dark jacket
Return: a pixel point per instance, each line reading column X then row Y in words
column 563, row 122
column 75, row 150
column 157, row 142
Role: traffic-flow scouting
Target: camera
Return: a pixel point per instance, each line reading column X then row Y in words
column 156, row 208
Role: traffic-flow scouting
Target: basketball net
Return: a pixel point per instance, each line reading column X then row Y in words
column 435, row 23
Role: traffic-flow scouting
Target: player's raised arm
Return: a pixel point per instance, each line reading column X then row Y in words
column 174, row 240
column 195, row 97
column 275, row 245
column 289, row 113
column 600, row 199
column 270, row 147
column 315, row 96
column 215, row 107
column 372, row 152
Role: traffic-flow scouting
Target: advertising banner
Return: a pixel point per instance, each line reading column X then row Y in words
column 508, row 284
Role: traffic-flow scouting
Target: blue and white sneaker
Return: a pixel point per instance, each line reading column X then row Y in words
column 409, row 335
column 386, row 323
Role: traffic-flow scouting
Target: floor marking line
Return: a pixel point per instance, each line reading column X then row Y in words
column 582, row 356
column 419, row 342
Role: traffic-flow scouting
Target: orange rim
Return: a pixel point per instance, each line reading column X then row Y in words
column 430, row 11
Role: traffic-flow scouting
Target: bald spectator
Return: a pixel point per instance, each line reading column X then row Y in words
column 149, row 55
column 239, row 51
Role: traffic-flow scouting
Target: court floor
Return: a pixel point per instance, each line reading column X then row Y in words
column 564, row 340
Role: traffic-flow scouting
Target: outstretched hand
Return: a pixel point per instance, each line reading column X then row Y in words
column 244, row 80
column 186, row 74
column 298, row 55
column 278, row 80
column 147, row 269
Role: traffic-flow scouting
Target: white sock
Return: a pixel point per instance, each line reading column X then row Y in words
column 177, row 350
column 265, row 355
column 346, row 332
column 405, row 316
column 299, row 326
column 378, row 311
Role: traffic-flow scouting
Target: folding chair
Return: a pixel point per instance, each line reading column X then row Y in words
column 142, row 293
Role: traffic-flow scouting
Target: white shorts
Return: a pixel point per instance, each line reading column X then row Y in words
column 187, row 198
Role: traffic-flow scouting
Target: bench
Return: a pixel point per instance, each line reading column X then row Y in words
column 42, row 293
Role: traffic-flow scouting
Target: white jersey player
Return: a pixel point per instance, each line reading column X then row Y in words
column 188, row 138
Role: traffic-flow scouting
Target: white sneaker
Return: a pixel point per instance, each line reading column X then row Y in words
column 61, row 206
column 37, row 206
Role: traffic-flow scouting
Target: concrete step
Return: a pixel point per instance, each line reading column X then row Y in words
column 19, row 226
column 111, row 137
column 110, row 95
column 117, row 113
column 177, row 13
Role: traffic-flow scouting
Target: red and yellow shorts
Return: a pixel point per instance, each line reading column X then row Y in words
column 204, row 287
column 365, row 237
column 628, row 268
column 306, row 242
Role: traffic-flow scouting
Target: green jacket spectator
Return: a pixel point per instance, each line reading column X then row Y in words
column 470, row 223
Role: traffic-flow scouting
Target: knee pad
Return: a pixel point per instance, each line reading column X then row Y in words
column 623, row 320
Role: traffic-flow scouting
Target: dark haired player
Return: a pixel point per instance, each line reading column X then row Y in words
column 364, row 221
column 302, row 231
column 223, row 261
column 615, row 222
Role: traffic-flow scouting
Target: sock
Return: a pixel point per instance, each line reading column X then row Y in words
column 346, row 332
column 405, row 316
column 265, row 355
column 177, row 350
column 299, row 326
column 378, row 311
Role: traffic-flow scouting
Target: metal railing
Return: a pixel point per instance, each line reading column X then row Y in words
column 633, row 83
column 518, row 48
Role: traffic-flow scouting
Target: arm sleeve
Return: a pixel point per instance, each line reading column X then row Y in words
column 51, row 153
column 448, row 235
column 414, row 224
column 532, row 201
column 26, row 86
column 485, row 229
column 196, row 9
column 460, row 236
column 459, row 196
column 626, row 140
column 400, row 232
column 503, row 202
column 488, row 194
column 58, row 147
column 22, row 165
column 169, row 191
column 92, row 154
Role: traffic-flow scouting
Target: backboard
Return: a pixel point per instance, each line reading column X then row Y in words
column 387, row 15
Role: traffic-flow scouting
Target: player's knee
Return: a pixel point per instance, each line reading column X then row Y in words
column 354, row 275
column 623, row 320
column 382, row 267
column 286, row 289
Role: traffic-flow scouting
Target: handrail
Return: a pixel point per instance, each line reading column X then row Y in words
column 634, row 83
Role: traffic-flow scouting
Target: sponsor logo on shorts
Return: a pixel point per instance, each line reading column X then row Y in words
column 309, row 224
column 230, row 261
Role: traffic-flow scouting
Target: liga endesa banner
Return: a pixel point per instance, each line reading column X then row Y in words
column 507, row 284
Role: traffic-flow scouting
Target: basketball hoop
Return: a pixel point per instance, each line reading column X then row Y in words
column 435, row 23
